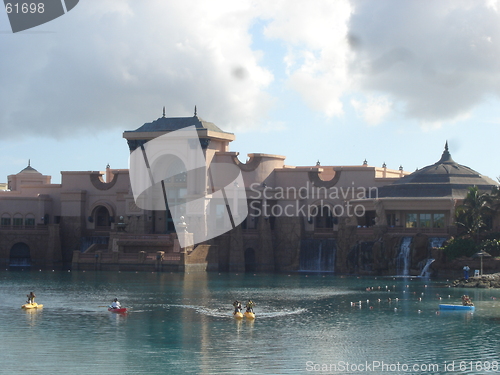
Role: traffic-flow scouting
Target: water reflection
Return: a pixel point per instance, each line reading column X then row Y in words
column 184, row 322
column 33, row 316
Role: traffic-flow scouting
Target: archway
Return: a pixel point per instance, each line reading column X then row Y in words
column 20, row 255
column 101, row 215
column 250, row 261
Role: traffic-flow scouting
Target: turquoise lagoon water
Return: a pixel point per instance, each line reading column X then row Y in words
column 182, row 324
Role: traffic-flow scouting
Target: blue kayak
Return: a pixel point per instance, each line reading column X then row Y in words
column 456, row 307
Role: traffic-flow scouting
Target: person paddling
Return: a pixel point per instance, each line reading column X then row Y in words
column 31, row 297
column 115, row 304
column 249, row 306
column 466, row 301
column 237, row 307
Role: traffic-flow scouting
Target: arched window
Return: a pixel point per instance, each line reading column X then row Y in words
column 18, row 220
column 29, row 220
column 5, row 221
column 324, row 219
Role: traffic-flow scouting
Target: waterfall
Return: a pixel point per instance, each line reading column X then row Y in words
column 403, row 259
column 317, row 255
column 426, row 267
column 436, row 241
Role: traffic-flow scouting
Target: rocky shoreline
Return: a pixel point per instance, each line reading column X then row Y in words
column 485, row 281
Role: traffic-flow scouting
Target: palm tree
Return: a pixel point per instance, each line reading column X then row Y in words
column 495, row 198
column 473, row 212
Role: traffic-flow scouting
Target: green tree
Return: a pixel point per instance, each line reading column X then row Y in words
column 495, row 199
column 474, row 211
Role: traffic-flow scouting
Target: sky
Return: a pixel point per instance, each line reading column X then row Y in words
column 335, row 81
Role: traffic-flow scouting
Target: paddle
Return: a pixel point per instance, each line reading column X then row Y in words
column 128, row 308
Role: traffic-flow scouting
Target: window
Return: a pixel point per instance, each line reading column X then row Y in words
column 391, row 220
column 5, row 221
column 438, row 221
column 411, row 220
column 425, row 220
column 29, row 222
column 18, row 222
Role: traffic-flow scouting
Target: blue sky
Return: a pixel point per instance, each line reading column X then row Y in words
column 336, row 81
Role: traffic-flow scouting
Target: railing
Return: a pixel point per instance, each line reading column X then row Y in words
column 417, row 230
column 24, row 227
column 144, row 237
column 128, row 258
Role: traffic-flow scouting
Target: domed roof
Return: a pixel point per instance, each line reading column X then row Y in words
column 29, row 169
column 445, row 178
column 164, row 124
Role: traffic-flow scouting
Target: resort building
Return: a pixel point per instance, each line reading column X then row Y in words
column 356, row 219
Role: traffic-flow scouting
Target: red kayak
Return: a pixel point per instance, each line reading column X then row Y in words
column 122, row 310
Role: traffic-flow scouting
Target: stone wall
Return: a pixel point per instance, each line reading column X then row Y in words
column 43, row 242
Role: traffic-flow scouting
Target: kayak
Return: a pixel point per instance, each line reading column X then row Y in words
column 238, row 315
column 456, row 307
column 33, row 305
column 249, row 315
column 122, row 310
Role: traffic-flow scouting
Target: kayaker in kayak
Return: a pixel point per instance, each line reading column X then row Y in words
column 115, row 304
column 466, row 301
column 249, row 306
column 31, row 297
column 237, row 307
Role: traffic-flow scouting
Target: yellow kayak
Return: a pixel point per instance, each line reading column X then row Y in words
column 33, row 305
column 249, row 315
column 238, row 315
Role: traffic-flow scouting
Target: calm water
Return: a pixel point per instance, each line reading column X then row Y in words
column 182, row 324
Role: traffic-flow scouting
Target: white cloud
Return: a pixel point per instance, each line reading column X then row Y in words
column 318, row 52
column 374, row 110
column 438, row 59
column 117, row 64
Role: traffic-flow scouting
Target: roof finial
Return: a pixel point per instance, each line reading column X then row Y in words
column 29, row 162
column 195, row 110
column 163, row 111
column 446, row 157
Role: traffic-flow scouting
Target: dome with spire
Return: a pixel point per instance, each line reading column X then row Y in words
column 166, row 124
column 445, row 178
column 29, row 169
